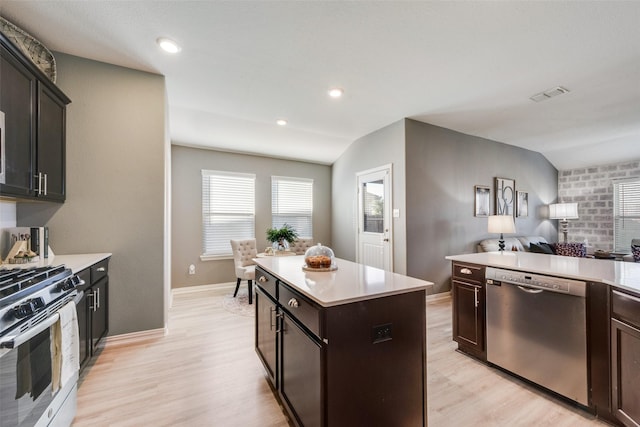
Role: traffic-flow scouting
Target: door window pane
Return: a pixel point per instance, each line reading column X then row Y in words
column 373, row 206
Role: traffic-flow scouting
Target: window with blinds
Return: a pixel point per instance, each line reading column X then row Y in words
column 292, row 203
column 228, row 210
column 626, row 214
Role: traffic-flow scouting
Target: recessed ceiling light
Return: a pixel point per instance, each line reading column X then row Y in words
column 281, row 122
column 168, row 45
column 335, row 92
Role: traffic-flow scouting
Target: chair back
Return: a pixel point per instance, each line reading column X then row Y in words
column 243, row 252
column 300, row 246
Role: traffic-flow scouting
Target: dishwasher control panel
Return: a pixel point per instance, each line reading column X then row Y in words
column 538, row 281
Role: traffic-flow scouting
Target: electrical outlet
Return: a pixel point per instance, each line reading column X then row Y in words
column 192, row 269
column 382, row 333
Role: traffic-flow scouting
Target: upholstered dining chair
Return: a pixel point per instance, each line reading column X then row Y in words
column 243, row 253
column 300, row 246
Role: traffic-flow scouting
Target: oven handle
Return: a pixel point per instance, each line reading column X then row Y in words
column 14, row 341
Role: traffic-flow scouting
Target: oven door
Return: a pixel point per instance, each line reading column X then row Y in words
column 25, row 376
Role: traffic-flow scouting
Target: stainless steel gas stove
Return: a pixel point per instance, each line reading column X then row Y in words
column 29, row 302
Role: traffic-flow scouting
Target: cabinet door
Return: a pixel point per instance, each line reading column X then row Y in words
column 266, row 336
column 51, row 145
column 625, row 370
column 468, row 317
column 99, row 312
column 17, row 100
column 301, row 374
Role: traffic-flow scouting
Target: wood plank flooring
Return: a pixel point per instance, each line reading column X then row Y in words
column 205, row 372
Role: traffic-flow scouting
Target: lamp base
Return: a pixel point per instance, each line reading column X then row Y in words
column 501, row 243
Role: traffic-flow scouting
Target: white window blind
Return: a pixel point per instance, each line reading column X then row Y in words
column 626, row 214
column 292, row 203
column 228, row 210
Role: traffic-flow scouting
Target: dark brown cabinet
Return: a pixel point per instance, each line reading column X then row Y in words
column 93, row 310
column 469, row 322
column 358, row 363
column 625, row 357
column 35, row 123
column 301, row 373
column 266, row 332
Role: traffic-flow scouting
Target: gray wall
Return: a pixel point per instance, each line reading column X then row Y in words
column 442, row 168
column 592, row 189
column 187, row 164
column 115, row 184
column 376, row 149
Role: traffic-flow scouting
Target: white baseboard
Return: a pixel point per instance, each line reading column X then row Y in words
column 130, row 338
column 201, row 288
column 438, row 297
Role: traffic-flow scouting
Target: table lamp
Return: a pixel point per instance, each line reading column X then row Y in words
column 501, row 224
column 563, row 212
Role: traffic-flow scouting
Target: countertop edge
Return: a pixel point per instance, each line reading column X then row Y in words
column 327, row 304
column 533, row 269
column 76, row 262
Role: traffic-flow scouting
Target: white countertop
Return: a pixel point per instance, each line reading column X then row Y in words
column 625, row 275
column 351, row 282
column 76, row 263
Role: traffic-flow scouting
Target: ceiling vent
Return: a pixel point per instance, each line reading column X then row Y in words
column 550, row 93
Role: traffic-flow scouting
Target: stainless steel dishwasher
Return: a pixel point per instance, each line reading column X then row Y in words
column 536, row 329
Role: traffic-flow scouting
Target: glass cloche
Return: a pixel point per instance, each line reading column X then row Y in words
column 319, row 257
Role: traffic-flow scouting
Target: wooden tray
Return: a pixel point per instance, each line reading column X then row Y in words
column 332, row 268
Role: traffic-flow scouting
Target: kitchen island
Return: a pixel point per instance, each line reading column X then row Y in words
column 510, row 305
column 344, row 347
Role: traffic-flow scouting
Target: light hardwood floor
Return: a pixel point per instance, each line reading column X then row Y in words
column 205, row 373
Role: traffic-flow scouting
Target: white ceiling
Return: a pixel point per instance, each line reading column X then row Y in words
column 470, row 66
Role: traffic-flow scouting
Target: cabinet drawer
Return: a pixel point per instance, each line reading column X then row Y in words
column 300, row 308
column 99, row 270
column 626, row 307
column 267, row 282
column 468, row 272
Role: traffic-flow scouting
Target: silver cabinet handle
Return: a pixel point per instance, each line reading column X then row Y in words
column 293, row 303
column 98, row 298
column 101, row 269
column 529, row 290
column 45, row 184
column 93, row 300
column 475, row 297
column 271, row 311
column 39, row 176
column 262, row 279
column 465, row 271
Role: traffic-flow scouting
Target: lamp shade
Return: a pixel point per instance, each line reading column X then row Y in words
column 501, row 224
column 563, row 211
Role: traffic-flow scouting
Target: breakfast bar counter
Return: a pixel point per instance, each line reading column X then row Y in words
column 350, row 282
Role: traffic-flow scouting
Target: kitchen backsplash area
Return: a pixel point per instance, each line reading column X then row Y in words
column 7, row 220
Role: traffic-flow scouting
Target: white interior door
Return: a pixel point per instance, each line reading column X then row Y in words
column 374, row 246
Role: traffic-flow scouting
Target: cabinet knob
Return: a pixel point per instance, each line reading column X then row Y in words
column 293, row 303
column 262, row 279
column 100, row 269
column 465, row 271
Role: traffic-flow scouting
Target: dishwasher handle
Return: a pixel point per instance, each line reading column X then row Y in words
column 530, row 290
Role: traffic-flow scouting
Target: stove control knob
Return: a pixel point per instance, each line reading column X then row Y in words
column 28, row 307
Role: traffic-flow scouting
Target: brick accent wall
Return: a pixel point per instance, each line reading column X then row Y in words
column 592, row 189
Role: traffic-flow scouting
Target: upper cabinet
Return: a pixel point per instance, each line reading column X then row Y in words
column 35, row 123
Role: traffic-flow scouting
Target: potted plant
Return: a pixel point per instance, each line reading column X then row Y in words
column 281, row 237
